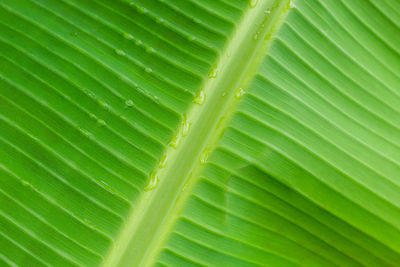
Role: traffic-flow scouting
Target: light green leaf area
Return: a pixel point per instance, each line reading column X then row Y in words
column 200, row 133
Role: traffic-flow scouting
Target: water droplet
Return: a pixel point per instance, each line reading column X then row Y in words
column 267, row 11
column 143, row 92
column 101, row 122
column 185, row 126
column 176, row 140
column 239, row 93
column 163, row 161
column 120, row 52
column 148, row 70
column 149, row 49
column 223, row 94
column 89, row 93
column 92, row 116
column 155, row 98
column 200, row 98
column 138, row 42
column 129, row 102
column 213, row 72
column 128, row 36
column 153, row 182
column 191, row 38
column 141, row 9
column 104, row 105
column 253, row 3
column 74, row 34
column 291, row 4
column 122, row 118
column 85, row 132
column 255, row 37
column 204, row 156
column 228, row 54
column 160, row 20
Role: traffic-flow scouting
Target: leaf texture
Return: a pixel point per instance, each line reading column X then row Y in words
column 210, row 132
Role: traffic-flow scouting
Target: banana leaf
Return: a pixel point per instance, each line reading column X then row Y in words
column 200, row 133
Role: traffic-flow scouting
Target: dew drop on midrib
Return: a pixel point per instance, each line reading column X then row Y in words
column 163, row 161
column 213, row 72
column 253, row 3
column 185, row 126
column 239, row 93
column 153, row 182
column 176, row 140
column 200, row 98
column 204, row 156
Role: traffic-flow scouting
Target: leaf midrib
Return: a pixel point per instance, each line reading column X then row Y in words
column 155, row 212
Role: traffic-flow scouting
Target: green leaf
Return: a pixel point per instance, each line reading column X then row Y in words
column 208, row 132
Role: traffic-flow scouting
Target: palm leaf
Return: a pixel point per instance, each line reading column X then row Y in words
column 210, row 132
